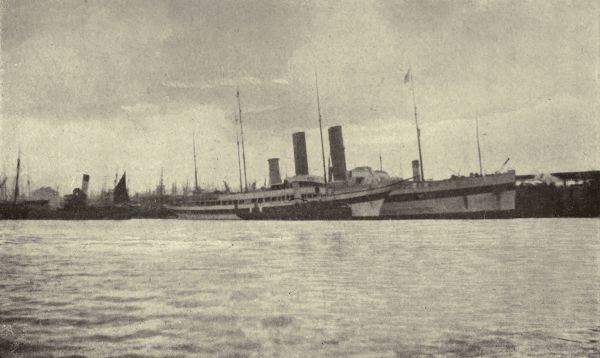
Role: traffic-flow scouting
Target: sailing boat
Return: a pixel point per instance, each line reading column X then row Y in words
column 121, row 196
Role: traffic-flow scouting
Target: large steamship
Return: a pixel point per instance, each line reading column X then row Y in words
column 301, row 197
column 473, row 197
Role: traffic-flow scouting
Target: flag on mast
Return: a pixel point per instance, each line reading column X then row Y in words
column 407, row 76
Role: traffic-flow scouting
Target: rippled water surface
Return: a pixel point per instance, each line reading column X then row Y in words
column 300, row 289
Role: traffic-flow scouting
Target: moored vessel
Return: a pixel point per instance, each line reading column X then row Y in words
column 298, row 198
column 301, row 197
column 474, row 197
column 477, row 196
column 18, row 209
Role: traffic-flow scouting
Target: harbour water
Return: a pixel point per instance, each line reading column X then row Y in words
column 158, row 288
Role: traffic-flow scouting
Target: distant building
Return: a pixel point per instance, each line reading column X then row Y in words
column 47, row 193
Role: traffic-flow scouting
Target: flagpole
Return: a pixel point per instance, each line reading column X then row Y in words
column 320, row 128
column 243, row 147
column 412, row 86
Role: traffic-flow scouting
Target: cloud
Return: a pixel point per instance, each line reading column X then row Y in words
column 223, row 82
column 77, row 61
column 140, row 108
column 149, row 69
column 280, row 81
column 261, row 109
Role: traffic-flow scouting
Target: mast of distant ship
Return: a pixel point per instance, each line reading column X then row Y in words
column 162, row 184
column 237, row 139
column 243, row 147
column 196, row 187
column 320, row 128
column 478, row 147
column 412, row 87
column 17, row 178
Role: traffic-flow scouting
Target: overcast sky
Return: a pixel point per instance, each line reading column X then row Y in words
column 105, row 86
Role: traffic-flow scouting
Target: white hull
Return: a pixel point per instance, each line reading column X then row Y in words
column 288, row 204
column 367, row 209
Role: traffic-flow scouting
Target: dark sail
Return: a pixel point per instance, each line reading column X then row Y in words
column 121, row 195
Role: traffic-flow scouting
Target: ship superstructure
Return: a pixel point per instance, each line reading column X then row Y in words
column 300, row 197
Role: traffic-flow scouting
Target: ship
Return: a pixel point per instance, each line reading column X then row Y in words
column 300, row 197
column 76, row 205
column 477, row 196
column 17, row 208
column 473, row 197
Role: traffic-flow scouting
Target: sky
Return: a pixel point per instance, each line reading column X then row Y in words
column 101, row 87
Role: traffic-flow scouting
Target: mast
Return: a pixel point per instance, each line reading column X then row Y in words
column 478, row 147
column 380, row 162
column 412, row 86
column 320, row 128
column 243, row 147
column 17, row 177
column 161, row 187
column 196, row 187
column 237, row 139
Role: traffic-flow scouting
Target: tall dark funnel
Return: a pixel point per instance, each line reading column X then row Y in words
column 300, row 158
column 274, row 176
column 337, row 152
column 85, row 183
column 416, row 168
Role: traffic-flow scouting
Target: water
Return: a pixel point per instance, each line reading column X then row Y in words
column 300, row 289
